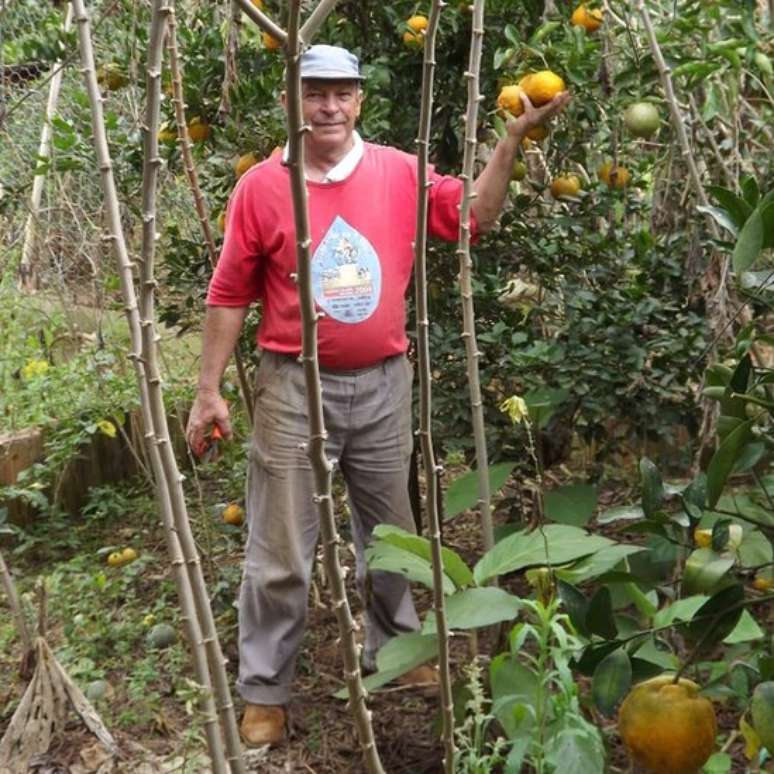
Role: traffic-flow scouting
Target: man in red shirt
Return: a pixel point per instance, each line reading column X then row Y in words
column 362, row 205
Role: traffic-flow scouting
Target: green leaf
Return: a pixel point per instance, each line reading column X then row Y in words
column 750, row 190
column 543, row 402
column 621, row 513
column 723, row 460
column 652, row 488
column 598, row 563
column 571, row 504
column 553, row 544
column 749, row 243
column 755, row 549
column 575, row 604
column 385, row 556
column 512, row 684
column 473, row 608
column 611, row 681
column 406, row 651
column 681, row 610
column 715, row 619
column 720, row 216
column 737, row 208
column 462, row 494
column 704, row 570
column 747, row 630
column 573, row 745
column 593, row 654
column 599, row 618
column 718, row 763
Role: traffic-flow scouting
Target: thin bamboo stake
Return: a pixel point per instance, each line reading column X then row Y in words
column 28, row 279
column 466, row 274
column 263, row 21
column 202, row 212
column 322, row 467
column 423, row 352
column 316, row 19
column 125, row 268
column 16, row 608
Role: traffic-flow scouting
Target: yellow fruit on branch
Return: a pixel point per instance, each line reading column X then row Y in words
column 642, row 119
column 590, row 20
column 541, row 87
column 564, row 186
column 270, row 42
column 537, row 133
column 244, row 162
column 417, row 23
column 413, row 40
column 668, row 727
column 762, row 583
column 622, row 175
column 199, row 130
column 233, row 514
column 702, row 537
column 519, row 171
column 509, row 100
column 167, row 134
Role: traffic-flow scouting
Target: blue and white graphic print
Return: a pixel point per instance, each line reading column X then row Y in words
column 346, row 274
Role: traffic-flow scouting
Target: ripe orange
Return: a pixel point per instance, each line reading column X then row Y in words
column 233, row 514
column 541, row 87
column 258, row 4
column 417, row 23
column 128, row 555
column 198, row 129
column 762, row 583
column 668, row 727
column 509, row 100
column 590, row 20
column 244, row 162
column 413, row 40
column 564, row 186
column 622, row 177
column 270, row 43
column 537, row 133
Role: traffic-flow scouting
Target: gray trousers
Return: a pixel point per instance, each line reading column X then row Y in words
column 368, row 420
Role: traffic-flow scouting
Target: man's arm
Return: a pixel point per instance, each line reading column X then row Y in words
column 222, row 325
column 491, row 186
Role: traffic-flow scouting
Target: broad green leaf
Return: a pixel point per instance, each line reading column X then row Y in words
column 718, row 763
column 681, row 610
column 704, row 571
column 749, row 243
column 746, row 630
column 755, row 549
column 750, row 190
column 473, row 608
column 462, row 494
column 621, row 513
column 593, row 654
column 575, row 604
column 543, row 402
column 598, row 563
column 738, row 209
column 599, row 618
column 574, row 745
column 571, row 504
column 612, row 680
column 385, row 556
column 640, row 599
column 406, row 651
column 720, row 216
column 553, row 544
column 512, row 683
column 715, row 619
column 723, row 460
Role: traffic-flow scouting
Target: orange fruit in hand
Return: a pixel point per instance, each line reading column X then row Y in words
column 509, row 100
column 590, row 20
column 668, row 727
column 541, row 87
column 622, row 176
column 565, row 185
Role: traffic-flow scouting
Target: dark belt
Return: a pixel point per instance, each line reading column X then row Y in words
column 337, row 371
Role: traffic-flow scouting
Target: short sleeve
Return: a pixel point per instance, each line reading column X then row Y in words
column 237, row 277
column 444, row 208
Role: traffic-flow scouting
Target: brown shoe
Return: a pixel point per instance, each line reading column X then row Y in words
column 423, row 677
column 263, row 724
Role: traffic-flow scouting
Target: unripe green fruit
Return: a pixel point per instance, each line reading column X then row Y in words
column 762, row 712
column 642, row 119
column 161, row 636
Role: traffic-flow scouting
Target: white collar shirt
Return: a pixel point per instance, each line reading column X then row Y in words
column 346, row 166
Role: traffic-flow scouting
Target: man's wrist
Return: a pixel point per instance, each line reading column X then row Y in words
column 207, row 389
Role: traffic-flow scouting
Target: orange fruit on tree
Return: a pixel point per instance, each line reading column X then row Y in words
column 509, row 100
column 244, row 162
column 622, row 177
column 519, row 170
column 271, row 43
column 417, row 23
column 222, row 222
column 537, row 133
column 565, row 185
column 761, row 583
column 541, row 87
column 258, row 4
column 233, row 514
column 166, row 134
column 668, row 727
column 590, row 20
column 198, row 129
column 413, row 40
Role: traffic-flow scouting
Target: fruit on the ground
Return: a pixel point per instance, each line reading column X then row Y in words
column 668, row 727
column 166, row 134
column 519, row 171
column 115, row 559
column 111, row 77
column 589, row 19
column 417, row 23
column 233, row 514
column 622, row 176
column 244, row 162
column 537, row 133
column 96, row 690
column 128, row 555
column 702, row 537
column 642, row 119
column 762, row 583
column 509, row 100
column 762, row 713
column 161, row 636
column 565, row 185
column 270, row 42
column 198, row 129
column 541, row 87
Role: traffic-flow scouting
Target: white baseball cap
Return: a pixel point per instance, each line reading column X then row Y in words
column 330, row 63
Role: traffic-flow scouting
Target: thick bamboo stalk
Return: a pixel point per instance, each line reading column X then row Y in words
column 322, row 467
column 263, row 21
column 16, row 608
column 423, row 351
column 466, row 274
column 27, row 270
column 200, row 205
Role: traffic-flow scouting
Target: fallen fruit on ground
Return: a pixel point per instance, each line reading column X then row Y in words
column 590, row 20
column 244, row 162
column 417, row 23
column 762, row 713
column 509, row 100
column 234, row 514
column 541, row 87
column 519, row 171
column 198, row 129
column 763, row 584
column 642, row 119
column 565, row 185
column 622, row 176
column 668, row 727
column 161, row 636
column 270, row 42
column 128, row 555
column 115, row 559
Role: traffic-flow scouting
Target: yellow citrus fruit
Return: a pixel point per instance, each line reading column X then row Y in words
column 111, row 77
column 763, row 584
column 519, row 171
column 537, row 133
column 222, row 222
column 128, row 555
column 541, row 87
column 702, row 537
column 509, row 100
column 115, row 559
column 258, row 4
column 244, row 162
column 622, row 177
column 565, row 185
column 668, row 727
column 199, row 130
column 413, row 39
column 166, row 134
column 642, row 119
column 233, row 514
column 271, row 43
column 590, row 20
column 417, row 23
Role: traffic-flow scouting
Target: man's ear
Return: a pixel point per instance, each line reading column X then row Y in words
column 360, row 98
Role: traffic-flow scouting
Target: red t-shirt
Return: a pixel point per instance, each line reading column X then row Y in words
column 362, row 231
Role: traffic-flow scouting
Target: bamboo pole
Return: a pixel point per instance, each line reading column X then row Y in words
column 322, row 467
column 312, row 25
column 423, row 351
column 200, row 204
column 16, row 608
column 125, row 267
column 472, row 352
column 27, row 271
column 263, row 21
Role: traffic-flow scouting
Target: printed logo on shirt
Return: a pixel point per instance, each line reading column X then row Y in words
column 346, row 274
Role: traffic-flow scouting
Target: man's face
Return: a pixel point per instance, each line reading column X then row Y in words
column 330, row 110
